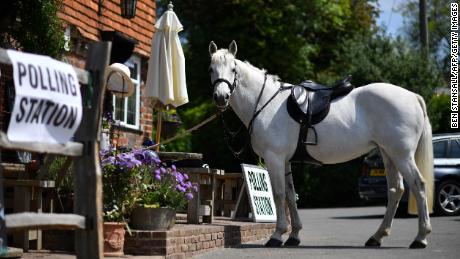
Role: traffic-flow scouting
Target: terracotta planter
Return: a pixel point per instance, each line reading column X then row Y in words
column 153, row 218
column 114, row 238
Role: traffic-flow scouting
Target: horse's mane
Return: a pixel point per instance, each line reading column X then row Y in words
column 246, row 71
column 223, row 55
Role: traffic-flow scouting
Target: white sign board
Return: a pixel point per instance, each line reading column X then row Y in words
column 47, row 107
column 260, row 193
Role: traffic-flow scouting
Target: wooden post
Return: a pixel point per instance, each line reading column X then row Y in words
column 87, row 170
column 193, row 208
column 158, row 135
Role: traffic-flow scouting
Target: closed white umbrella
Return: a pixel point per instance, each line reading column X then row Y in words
column 166, row 72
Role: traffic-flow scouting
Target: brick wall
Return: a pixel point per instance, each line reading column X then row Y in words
column 185, row 241
column 85, row 23
column 84, row 15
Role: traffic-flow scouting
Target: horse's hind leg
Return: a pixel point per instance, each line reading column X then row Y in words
column 276, row 169
column 395, row 192
column 296, row 225
column 411, row 174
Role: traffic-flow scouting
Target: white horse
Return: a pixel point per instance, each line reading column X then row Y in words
column 376, row 115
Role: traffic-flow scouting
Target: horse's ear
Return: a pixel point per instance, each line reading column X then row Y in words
column 212, row 48
column 232, row 48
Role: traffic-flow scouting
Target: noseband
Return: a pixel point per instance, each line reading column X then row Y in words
column 223, row 80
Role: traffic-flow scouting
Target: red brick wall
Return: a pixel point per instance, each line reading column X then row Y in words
column 84, row 15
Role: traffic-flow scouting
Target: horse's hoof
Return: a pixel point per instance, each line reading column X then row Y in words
column 372, row 242
column 273, row 243
column 417, row 245
column 292, row 241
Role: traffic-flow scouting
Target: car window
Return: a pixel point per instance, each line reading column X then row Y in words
column 454, row 149
column 439, row 149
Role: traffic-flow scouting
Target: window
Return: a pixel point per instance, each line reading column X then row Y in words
column 439, row 149
column 126, row 109
column 454, row 148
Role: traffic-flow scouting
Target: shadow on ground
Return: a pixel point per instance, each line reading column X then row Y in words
column 249, row 246
column 379, row 216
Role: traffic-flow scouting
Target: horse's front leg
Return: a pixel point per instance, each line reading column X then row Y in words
column 276, row 169
column 296, row 224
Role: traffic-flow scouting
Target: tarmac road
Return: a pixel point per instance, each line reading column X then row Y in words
column 342, row 232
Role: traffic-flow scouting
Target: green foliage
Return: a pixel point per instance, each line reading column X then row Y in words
column 379, row 58
column 162, row 194
column 328, row 185
column 66, row 184
column 121, row 191
column 439, row 112
column 38, row 28
column 438, row 12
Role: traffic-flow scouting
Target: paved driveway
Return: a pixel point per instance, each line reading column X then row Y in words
column 342, row 232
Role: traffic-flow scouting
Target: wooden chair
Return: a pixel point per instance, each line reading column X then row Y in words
column 87, row 217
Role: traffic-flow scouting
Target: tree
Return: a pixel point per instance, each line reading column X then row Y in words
column 32, row 26
column 438, row 29
column 379, row 58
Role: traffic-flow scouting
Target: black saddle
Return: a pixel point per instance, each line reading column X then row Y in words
column 309, row 104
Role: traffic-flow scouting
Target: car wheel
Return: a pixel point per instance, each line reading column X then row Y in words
column 447, row 200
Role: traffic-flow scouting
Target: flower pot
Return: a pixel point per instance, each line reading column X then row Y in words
column 153, row 218
column 114, row 238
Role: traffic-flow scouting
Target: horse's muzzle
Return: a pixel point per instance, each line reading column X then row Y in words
column 221, row 101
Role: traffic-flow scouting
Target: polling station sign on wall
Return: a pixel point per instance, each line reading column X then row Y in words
column 47, row 106
column 260, row 193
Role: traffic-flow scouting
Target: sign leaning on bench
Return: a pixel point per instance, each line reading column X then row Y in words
column 260, row 193
column 47, row 106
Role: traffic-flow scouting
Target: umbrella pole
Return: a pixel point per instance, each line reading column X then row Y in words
column 158, row 135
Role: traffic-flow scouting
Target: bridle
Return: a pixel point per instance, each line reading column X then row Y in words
column 229, row 134
column 223, row 80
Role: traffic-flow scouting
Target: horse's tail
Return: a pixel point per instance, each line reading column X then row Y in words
column 424, row 161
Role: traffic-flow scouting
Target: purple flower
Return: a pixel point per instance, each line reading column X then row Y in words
column 163, row 170
column 173, row 167
column 157, row 171
column 158, row 177
column 179, row 177
column 189, row 196
column 139, row 155
column 150, row 157
column 108, row 160
column 127, row 160
column 185, row 176
column 195, row 188
column 180, row 188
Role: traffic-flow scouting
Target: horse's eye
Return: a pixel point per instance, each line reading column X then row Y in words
column 234, row 70
column 210, row 70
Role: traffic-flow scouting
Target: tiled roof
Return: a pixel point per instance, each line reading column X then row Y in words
column 84, row 15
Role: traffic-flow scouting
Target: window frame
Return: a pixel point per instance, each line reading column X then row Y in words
column 134, row 59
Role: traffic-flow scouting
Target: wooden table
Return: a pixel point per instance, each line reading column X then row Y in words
column 206, row 180
column 174, row 156
column 27, row 196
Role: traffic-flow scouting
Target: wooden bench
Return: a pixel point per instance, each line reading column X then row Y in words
column 87, row 217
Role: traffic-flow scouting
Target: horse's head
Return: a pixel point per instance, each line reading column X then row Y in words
column 223, row 73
